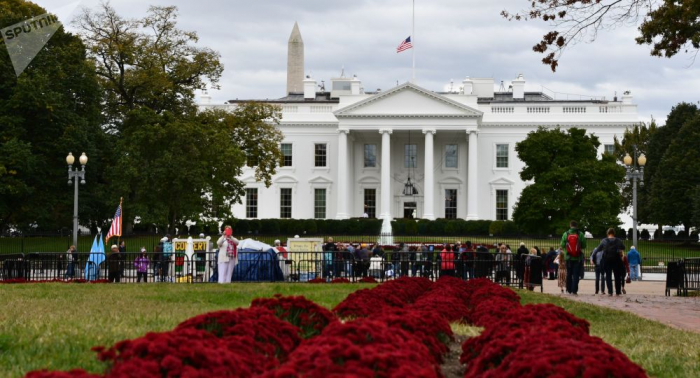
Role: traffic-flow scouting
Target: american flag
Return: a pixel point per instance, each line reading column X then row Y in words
column 405, row 45
column 116, row 229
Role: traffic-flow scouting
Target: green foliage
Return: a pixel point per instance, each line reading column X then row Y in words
column 640, row 136
column 411, row 228
column 570, row 183
column 675, row 181
column 644, row 235
column 51, row 109
column 671, row 27
column 496, row 228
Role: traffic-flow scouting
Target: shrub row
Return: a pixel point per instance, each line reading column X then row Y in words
column 453, row 227
column 305, row 227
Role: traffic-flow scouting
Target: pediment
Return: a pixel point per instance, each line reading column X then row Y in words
column 408, row 100
column 320, row 180
column 249, row 180
column 451, row 180
column 368, row 180
column 285, row 180
column 502, row 181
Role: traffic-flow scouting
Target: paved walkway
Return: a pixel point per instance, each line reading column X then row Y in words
column 643, row 298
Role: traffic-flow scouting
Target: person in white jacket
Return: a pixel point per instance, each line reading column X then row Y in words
column 228, row 255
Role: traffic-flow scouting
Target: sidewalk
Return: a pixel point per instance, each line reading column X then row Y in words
column 643, row 298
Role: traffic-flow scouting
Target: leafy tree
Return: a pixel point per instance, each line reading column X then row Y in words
column 50, row 109
column 668, row 25
column 658, row 146
column 696, row 209
column 570, row 183
column 640, row 136
column 678, row 177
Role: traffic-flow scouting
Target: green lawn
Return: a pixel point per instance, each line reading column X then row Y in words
column 55, row 325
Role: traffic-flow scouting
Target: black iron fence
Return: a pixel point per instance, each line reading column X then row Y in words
column 683, row 276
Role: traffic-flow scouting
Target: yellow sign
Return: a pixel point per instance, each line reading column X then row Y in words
column 303, row 252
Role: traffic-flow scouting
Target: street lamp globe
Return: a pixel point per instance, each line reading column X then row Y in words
column 83, row 159
column 70, row 159
column 642, row 160
column 627, row 160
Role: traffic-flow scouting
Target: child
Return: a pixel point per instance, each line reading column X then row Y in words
column 141, row 263
column 562, row 271
column 626, row 263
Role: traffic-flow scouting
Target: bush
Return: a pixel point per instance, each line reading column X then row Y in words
column 683, row 235
column 310, row 227
column 630, row 233
column 269, row 226
column 496, row 228
column 411, row 228
column 644, row 235
column 694, row 236
column 621, row 233
column 656, row 235
column 669, row 234
column 510, row 228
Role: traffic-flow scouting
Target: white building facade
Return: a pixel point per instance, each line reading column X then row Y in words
column 350, row 153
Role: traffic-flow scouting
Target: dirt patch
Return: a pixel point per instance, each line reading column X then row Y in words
column 452, row 368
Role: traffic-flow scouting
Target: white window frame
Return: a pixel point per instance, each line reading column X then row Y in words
column 495, row 205
column 495, row 157
column 376, row 156
column 293, row 158
column 325, row 202
column 444, row 154
column 314, row 156
column 257, row 204
column 279, row 207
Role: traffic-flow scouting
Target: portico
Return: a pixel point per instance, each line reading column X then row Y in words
column 404, row 125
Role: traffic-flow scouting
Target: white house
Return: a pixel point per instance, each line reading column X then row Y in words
column 349, row 152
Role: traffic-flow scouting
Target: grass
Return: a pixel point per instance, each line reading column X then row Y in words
column 661, row 350
column 54, row 325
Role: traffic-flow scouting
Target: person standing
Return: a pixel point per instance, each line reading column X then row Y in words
column 328, row 257
column 114, row 265
column 573, row 243
column 561, row 274
column 635, row 261
column 613, row 248
column 626, row 272
column 141, row 264
column 70, row 263
column 447, row 263
column 227, row 256
column 597, row 261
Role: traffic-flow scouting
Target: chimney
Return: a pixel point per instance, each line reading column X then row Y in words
column 295, row 61
column 205, row 99
column 519, row 87
column 468, row 85
column 627, row 97
column 309, row 88
column 355, row 85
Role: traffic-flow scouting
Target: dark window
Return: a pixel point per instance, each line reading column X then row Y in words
column 251, row 203
column 410, row 156
column 451, row 203
column 320, row 155
column 287, row 154
column 501, row 205
column 320, row 203
column 370, row 155
column 501, row 156
column 285, row 203
column 371, row 202
column 609, row 149
column 451, row 156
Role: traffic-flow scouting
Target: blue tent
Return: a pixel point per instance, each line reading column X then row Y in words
column 257, row 266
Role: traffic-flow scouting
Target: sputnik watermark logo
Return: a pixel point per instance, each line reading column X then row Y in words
column 24, row 40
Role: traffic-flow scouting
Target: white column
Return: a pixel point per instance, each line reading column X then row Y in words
column 386, row 174
column 429, row 186
column 342, row 203
column 472, row 199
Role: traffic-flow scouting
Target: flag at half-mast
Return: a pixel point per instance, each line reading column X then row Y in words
column 116, row 229
column 405, row 45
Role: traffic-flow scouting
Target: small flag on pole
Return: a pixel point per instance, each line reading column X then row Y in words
column 116, row 229
column 405, row 45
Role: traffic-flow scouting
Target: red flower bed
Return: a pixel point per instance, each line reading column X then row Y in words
column 429, row 327
column 340, row 280
column 77, row 373
column 299, row 311
column 55, row 280
column 443, row 302
column 317, row 280
column 268, row 336
column 491, row 311
column 361, row 348
column 367, row 280
column 185, row 353
column 397, row 293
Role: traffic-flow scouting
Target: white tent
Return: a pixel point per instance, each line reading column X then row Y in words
column 254, row 245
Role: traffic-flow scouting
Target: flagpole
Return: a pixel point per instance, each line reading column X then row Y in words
column 413, row 40
column 121, row 230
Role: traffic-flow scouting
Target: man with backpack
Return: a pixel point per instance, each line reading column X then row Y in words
column 573, row 242
column 613, row 248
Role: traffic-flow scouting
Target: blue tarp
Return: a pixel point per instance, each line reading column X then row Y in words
column 257, row 266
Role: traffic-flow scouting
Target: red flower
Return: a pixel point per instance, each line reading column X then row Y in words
column 77, row 373
column 317, row 280
column 299, row 311
column 367, row 280
column 340, row 280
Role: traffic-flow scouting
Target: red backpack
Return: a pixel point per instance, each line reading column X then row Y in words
column 573, row 245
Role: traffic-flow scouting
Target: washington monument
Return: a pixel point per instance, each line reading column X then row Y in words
column 295, row 62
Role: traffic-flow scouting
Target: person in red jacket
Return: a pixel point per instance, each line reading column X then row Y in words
column 447, row 261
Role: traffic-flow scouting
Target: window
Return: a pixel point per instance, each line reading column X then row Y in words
column 371, row 202
column 251, row 203
column 320, row 203
column 501, row 205
column 320, row 155
column 501, row 156
column 285, row 203
column 451, row 156
column 451, row 203
column 287, row 154
column 410, row 156
column 609, row 149
column 370, row 155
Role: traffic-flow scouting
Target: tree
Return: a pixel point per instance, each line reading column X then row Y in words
column 658, row 146
column 668, row 25
column 50, row 109
column 570, row 183
column 639, row 136
column 172, row 162
column 678, row 177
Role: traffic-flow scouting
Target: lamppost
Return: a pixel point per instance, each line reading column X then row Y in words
column 635, row 171
column 74, row 175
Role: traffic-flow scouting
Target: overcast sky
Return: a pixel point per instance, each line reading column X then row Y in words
column 454, row 39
